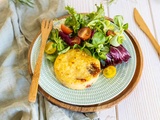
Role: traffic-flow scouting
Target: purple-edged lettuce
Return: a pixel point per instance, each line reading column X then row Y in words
column 117, row 55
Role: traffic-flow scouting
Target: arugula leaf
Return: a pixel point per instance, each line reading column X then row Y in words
column 71, row 10
column 99, row 14
column 75, row 21
column 93, row 20
column 97, row 21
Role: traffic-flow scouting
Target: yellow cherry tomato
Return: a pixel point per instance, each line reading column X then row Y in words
column 49, row 49
column 109, row 72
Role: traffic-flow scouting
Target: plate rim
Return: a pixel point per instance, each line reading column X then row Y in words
column 109, row 103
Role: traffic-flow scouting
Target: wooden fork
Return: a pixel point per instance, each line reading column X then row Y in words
column 46, row 27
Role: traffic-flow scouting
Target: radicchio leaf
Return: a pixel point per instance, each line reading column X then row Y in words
column 66, row 38
column 109, row 59
column 117, row 55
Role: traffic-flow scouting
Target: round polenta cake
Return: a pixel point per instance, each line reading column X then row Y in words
column 76, row 70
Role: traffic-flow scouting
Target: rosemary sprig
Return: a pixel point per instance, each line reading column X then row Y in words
column 24, row 2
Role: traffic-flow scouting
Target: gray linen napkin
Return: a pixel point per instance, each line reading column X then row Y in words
column 19, row 25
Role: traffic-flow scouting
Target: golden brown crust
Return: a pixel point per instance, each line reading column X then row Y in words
column 76, row 70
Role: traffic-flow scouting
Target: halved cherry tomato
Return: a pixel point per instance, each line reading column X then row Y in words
column 109, row 72
column 75, row 40
column 49, row 49
column 110, row 32
column 66, row 29
column 84, row 33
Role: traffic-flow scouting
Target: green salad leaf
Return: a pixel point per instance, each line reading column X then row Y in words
column 98, row 45
column 75, row 20
column 59, row 43
column 98, row 38
column 98, row 15
column 118, row 20
column 97, row 21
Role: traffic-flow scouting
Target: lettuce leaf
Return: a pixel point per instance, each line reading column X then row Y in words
column 117, row 55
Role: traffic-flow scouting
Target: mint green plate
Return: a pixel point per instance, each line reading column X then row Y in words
column 102, row 91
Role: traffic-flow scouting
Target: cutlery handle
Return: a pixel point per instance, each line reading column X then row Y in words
column 46, row 27
column 36, row 75
column 153, row 41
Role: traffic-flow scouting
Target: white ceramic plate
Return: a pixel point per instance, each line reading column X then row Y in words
column 102, row 91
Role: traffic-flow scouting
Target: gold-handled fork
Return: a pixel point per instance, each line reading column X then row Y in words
column 46, row 27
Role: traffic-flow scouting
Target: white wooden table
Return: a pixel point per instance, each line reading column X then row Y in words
column 144, row 102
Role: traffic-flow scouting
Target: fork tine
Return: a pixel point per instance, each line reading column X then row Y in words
column 43, row 23
column 50, row 24
column 47, row 23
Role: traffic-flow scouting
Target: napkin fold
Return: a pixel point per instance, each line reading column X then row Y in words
column 19, row 25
